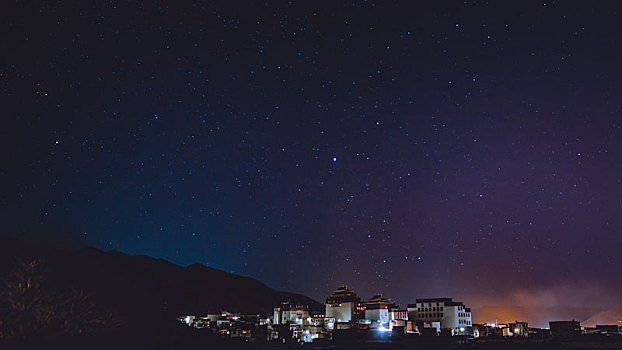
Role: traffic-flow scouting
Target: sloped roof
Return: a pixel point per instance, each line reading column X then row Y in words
column 342, row 294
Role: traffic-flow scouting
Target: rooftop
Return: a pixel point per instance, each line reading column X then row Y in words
column 342, row 294
column 380, row 302
column 445, row 301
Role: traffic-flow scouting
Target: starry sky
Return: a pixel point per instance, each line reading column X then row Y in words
column 469, row 149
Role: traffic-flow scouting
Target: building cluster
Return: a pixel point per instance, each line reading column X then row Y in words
column 346, row 314
column 346, row 311
column 557, row 329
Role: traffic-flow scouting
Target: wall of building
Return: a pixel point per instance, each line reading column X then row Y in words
column 452, row 315
column 342, row 312
column 456, row 317
column 398, row 315
column 377, row 315
column 296, row 315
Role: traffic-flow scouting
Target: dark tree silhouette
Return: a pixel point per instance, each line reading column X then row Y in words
column 29, row 309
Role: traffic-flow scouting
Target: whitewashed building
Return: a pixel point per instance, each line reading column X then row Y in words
column 450, row 315
column 290, row 314
column 343, row 305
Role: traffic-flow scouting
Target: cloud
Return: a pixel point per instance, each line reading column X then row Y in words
column 577, row 294
column 607, row 317
column 580, row 301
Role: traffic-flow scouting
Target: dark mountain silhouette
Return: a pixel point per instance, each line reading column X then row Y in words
column 146, row 293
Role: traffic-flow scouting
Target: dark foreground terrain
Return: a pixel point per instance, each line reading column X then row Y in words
column 127, row 300
column 178, row 340
column 90, row 299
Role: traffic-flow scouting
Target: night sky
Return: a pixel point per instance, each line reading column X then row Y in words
column 469, row 149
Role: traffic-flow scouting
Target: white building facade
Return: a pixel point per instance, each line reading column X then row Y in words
column 342, row 305
column 341, row 312
column 290, row 314
column 450, row 315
